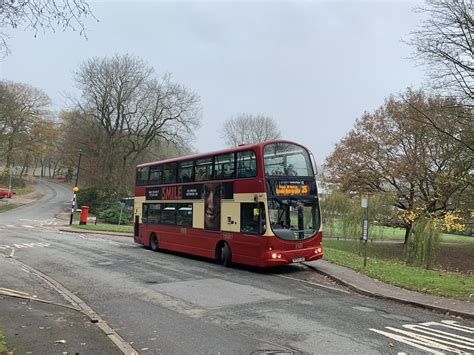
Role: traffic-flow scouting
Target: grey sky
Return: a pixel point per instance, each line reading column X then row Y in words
column 313, row 66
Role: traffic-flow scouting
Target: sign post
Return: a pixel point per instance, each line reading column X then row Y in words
column 365, row 225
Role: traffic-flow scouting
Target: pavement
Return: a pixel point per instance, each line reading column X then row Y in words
column 36, row 319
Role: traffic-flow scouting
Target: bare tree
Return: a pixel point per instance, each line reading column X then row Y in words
column 444, row 44
column 130, row 108
column 247, row 128
column 41, row 15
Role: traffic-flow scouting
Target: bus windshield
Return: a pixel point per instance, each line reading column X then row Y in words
column 294, row 218
column 286, row 159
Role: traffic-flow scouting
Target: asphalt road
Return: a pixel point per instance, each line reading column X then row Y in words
column 175, row 304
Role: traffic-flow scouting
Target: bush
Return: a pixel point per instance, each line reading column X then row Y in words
column 97, row 198
column 112, row 215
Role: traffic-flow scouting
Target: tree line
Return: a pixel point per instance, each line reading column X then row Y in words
column 124, row 114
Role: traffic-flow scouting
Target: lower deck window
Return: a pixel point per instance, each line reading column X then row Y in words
column 180, row 214
column 184, row 215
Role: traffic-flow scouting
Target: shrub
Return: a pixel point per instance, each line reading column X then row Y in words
column 111, row 214
column 97, row 198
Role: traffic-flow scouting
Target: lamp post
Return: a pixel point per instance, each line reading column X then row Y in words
column 75, row 189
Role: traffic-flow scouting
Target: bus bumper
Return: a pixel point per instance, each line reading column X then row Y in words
column 284, row 257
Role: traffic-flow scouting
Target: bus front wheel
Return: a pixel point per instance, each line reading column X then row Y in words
column 226, row 255
column 153, row 243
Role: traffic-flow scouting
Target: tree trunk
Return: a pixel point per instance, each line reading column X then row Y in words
column 407, row 233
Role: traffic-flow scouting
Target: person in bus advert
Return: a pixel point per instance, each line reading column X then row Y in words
column 212, row 206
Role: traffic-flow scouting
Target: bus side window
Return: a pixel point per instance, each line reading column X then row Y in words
column 203, row 169
column 246, row 164
column 156, row 173
column 169, row 173
column 145, row 213
column 142, row 176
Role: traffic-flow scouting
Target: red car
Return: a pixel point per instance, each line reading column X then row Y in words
column 4, row 192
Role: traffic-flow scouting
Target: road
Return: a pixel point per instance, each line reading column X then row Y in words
column 175, row 304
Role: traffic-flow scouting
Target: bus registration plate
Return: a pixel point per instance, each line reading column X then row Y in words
column 298, row 260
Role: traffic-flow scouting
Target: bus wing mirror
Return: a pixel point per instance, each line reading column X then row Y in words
column 313, row 163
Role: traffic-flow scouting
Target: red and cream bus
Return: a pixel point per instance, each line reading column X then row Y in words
column 254, row 204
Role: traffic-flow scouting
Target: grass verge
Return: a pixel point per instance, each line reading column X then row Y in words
column 3, row 343
column 23, row 190
column 439, row 283
column 4, row 208
column 105, row 228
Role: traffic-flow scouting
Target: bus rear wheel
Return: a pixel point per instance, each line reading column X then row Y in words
column 226, row 255
column 153, row 243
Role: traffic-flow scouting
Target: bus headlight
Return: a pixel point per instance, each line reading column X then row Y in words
column 317, row 250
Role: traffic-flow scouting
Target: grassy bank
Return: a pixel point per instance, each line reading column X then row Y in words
column 4, row 207
column 20, row 191
column 105, row 228
column 391, row 269
column 3, row 343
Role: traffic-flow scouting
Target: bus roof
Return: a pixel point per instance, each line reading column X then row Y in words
column 217, row 152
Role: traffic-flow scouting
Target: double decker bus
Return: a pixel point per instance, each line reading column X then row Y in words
column 254, row 204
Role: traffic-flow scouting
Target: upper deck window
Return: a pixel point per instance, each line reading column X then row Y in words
column 156, row 173
column 224, row 166
column 169, row 173
column 185, row 171
column 142, row 176
column 203, row 169
column 246, row 164
column 286, row 159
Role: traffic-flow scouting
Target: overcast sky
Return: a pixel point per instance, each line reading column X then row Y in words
column 314, row 67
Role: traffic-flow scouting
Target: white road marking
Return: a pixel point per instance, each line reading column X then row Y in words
column 25, row 245
column 425, row 337
column 451, row 324
column 440, row 334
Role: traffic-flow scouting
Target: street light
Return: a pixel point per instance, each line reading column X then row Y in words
column 75, row 188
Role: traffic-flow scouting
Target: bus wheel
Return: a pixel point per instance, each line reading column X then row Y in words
column 226, row 255
column 153, row 243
